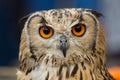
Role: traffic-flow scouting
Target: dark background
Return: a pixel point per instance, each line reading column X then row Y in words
column 12, row 10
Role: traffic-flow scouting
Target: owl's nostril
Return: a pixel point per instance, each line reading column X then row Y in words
column 63, row 39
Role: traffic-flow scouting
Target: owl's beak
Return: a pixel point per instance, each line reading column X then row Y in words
column 63, row 44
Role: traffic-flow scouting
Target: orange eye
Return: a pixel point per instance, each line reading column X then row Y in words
column 46, row 32
column 78, row 30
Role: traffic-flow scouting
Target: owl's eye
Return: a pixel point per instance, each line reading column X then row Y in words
column 46, row 32
column 78, row 30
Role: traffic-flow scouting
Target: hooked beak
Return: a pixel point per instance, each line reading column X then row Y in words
column 63, row 44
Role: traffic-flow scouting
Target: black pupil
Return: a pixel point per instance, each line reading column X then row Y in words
column 46, row 30
column 77, row 28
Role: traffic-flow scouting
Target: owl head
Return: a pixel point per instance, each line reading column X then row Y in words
column 63, row 36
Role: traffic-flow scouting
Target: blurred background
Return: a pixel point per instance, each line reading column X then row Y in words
column 10, row 30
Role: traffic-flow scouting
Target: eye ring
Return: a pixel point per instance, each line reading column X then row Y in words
column 46, row 32
column 78, row 30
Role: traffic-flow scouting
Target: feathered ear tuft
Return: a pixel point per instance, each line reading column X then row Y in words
column 23, row 19
column 97, row 14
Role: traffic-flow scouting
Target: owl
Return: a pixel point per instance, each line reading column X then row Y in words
column 63, row 44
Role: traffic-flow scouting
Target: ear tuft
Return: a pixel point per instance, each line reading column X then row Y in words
column 97, row 14
column 23, row 19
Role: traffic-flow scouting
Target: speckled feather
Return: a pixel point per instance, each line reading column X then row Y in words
column 41, row 59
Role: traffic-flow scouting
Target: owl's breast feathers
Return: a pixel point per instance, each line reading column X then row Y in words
column 71, row 69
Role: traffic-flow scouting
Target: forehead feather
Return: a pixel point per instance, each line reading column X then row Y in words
column 62, row 17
